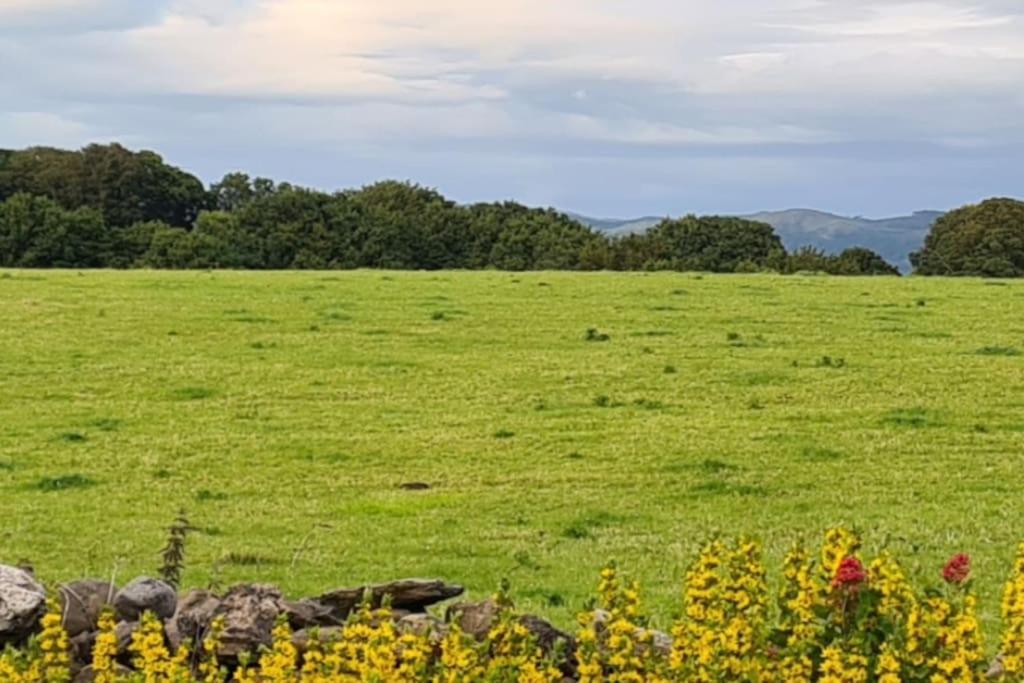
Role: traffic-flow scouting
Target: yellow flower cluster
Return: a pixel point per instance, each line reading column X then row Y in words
column 834, row 621
column 104, row 653
column 616, row 648
column 839, row 665
column 840, row 543
column 800, row 605
column 1013, row 619
column 896, row 597
column 48, row 659
column 721, row 635
column 152, row 658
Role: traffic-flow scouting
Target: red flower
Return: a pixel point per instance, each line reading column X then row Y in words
column 958, row 569
column 850, row 574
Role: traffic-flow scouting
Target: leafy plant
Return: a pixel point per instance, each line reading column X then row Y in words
column 173, row 554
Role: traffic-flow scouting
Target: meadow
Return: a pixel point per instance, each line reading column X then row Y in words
column 559, row 421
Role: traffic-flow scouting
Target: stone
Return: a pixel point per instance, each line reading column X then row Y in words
column 997, row 670
column 22, row 604
column 145, row 595
column 81, row 603
column 554, row 643
column 325, row 634
column 249, row 612
column 304, row 614
column 422, row 625
column 87, row 675
column 124, row 630
column 659, row 641
column 549, row 638
column 474, row 618
column 410, row 595
column 192, row 617
column 478, row 618
column 81, row 648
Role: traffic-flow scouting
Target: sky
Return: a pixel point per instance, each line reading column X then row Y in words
column 609, row 108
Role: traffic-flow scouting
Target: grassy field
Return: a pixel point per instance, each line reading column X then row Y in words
column 285, row 411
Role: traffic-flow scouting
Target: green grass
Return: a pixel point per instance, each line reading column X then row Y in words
column 286, row 411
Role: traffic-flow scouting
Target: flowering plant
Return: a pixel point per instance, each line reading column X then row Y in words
column 835, row 619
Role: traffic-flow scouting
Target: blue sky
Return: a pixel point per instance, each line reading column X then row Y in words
column 612, row 108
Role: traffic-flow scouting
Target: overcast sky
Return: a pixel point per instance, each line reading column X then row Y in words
column 612, row 108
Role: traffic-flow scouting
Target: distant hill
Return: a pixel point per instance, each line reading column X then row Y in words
column 616, row 227
column 893, row 238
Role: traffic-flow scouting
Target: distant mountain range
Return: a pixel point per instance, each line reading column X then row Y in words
column 893, row 238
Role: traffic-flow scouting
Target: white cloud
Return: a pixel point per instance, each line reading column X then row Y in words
column 458, row 50
column 907, row 20
column 497, row 78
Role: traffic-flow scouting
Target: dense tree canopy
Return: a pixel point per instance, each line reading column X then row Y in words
column 984, row 239
column 35, row 232
column 106, row 206
column 852, row 261
column 126, row 187
column 716, row 244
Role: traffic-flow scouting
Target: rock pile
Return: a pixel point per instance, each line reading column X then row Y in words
column 249, row 612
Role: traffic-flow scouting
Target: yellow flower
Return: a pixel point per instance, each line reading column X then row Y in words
column 279, row 663
column 839, row 544
column 722, row 630
column 54, row 664
column 209, row 670
column 151, row 656
column 104, row 652
column 842, row 666
column 1012, row 645
column 886, row 576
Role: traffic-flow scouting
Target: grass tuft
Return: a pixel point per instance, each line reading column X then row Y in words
column 998, row 351
column 192, row 393
column 64, row 483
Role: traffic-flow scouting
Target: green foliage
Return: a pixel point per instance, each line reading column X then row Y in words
column 852, row 261
column 172, row 557
column 106, row 206
column 36, row 232
column 984, row 239
column 714, row 244
column 125, row 187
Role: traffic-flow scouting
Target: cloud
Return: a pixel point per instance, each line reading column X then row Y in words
column 792, row 80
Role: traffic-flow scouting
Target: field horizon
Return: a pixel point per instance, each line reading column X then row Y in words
column 560, row 420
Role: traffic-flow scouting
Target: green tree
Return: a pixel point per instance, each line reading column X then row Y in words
column 170, row 248
column 510, row 236
column 985, row 239
column 711, row 243
column 126, row 187
column 402, row 225
column 862, row 261
column 236, row 190
column 290, row 228
column 35, row 232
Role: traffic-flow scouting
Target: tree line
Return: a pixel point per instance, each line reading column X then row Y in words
column 108, row 207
